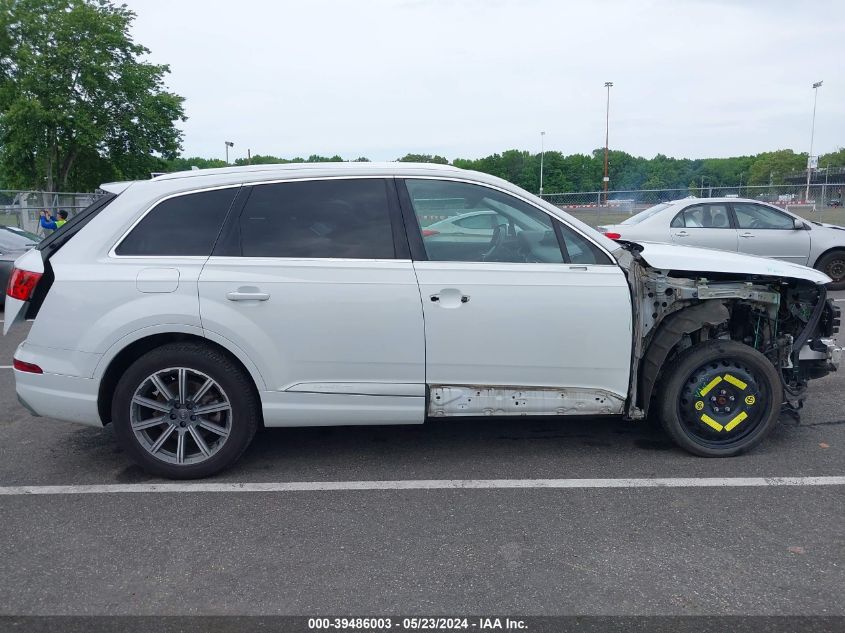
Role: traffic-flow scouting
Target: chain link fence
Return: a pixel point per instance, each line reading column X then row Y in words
column 23, row 208
column 598, row 207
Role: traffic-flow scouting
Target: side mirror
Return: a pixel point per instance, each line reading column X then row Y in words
column 798, row 224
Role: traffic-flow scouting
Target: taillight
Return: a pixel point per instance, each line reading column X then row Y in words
column 429, row 232
column 27, row 367
column 613, row 236
column 22, row 284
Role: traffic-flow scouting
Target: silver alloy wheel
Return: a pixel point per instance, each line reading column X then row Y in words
column 181, row 416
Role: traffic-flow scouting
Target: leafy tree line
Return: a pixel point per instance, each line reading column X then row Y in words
column 79, row 106
column 584, row 172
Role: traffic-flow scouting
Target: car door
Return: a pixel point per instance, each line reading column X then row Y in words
column 769, row 232
column 520, row 324
column 310, row 281
column 707, row 225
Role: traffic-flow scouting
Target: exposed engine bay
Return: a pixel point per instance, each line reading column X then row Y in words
column 790, row 321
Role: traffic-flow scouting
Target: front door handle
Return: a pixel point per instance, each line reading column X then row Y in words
column 681, row 234
column 449, row 298
column 247, row 294
column 746, row 234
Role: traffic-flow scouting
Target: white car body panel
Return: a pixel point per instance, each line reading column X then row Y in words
column 326, row 323
column 687, row 258
column 532, row 325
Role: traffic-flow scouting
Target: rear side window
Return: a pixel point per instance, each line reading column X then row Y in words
column 344, row 218
column 180, row 226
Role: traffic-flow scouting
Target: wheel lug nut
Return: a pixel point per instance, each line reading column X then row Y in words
column 172, row 416
column 727, row 409
column 731, row 398
column 712, row 398
column 193, row 418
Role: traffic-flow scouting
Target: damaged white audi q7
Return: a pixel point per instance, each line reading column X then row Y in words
column 193, row 308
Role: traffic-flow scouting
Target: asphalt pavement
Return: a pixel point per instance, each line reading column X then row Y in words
column 777, row 550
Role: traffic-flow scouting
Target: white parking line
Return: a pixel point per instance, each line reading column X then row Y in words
column 5, row 366
column 425, row 484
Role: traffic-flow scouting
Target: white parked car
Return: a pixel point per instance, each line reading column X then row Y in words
column 193, row 308
column 740, row 225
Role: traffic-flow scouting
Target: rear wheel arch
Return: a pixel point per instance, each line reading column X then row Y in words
column 136, row 349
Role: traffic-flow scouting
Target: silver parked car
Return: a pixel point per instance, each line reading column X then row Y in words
column 746, row 226
column 206, row 304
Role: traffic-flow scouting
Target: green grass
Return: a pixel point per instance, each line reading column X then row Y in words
column 8, row 219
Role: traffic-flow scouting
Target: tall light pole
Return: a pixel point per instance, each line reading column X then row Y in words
column 606, row 179
column 228, row 145
column 816, row 87
column 542, row 155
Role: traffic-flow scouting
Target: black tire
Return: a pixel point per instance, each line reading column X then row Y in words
column 719, row 398
column 833, row 265
column 240, row 421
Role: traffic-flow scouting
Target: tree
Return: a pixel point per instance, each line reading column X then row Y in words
column 77, row 104
column 773, row 166
column 423, row 158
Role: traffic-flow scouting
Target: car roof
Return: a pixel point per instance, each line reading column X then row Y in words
column 325, row 168
column 224, row 176
column 694, row 200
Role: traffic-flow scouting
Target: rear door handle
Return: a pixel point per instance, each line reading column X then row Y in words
column 746, row 234
column 681, row 234
column 247, row 295
column 578, row 268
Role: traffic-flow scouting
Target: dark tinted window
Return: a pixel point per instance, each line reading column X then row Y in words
column 184, row 225
column 318, row 218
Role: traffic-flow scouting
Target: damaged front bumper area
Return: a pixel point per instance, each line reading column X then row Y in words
column 820, row 354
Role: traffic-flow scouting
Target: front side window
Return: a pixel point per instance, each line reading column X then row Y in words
column 703, row 216
column 343, row 218
column 472, row 223
column 755, row 216
column 180, row 226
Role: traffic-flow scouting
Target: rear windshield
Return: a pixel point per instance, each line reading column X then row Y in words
column 644, row 215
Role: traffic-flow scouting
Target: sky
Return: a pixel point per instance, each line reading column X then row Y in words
column 468, row 78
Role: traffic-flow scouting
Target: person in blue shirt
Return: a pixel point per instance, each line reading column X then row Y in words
column 52, row 223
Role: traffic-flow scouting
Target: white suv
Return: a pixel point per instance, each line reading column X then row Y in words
column 193, row 308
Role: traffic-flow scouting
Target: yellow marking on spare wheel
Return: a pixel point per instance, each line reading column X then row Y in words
column 736, row 382
column 710, row 385
column 750, row 400
column 730, row 425
column 699, row 405
column 711, row 422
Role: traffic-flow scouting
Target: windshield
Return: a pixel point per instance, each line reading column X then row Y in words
column 644, row 215
column 14, row 239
